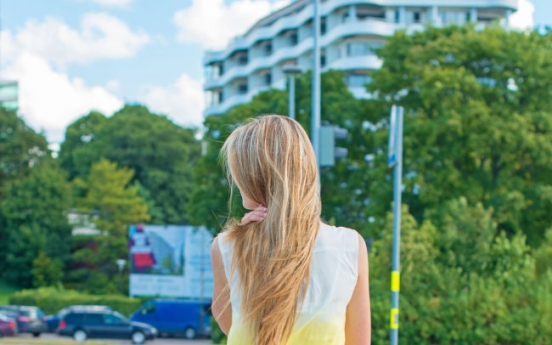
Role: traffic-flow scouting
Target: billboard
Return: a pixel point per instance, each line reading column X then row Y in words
column 170, row 261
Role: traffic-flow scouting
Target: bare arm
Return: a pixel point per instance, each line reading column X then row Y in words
column 358, row 324
column 222, row 309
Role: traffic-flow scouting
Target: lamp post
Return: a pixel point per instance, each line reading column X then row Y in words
column 315, row 117
column 121, row 265
column 291, row 70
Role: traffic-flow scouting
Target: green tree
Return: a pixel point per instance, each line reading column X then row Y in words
column 33, row 220
column 20, row 147
column 160, row 153
column 78, row 135
column 112, row 204
column 46, row 272
column 460, row 293
column 477, row 121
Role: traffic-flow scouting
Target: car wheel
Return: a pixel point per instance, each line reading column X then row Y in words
column 1, row 335
column 138, row 337
column 36, row 334
column 80, row 336
column 189, row 333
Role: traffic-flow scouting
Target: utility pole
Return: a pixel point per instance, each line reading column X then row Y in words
column 315, row 117
column 395, row 161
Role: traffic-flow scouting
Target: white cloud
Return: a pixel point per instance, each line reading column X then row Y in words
column 212, row 23
column 51, row 100
column 113, row 3
column 113, row 85
column 523, row 18
column 101, row 36
column 182, row 101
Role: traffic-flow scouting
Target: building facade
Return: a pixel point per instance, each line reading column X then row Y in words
column 350, row 31
column 9, row 91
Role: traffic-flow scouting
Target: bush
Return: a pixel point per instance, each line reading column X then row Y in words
column 217, row 336
column 50, row 300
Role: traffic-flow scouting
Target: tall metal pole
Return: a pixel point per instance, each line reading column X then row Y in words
column 291, row 112
column 397, row 193
column 315, row 117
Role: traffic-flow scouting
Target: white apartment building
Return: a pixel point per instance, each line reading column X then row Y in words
column 350, row 30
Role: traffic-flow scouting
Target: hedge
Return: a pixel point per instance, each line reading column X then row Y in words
column 50, row 300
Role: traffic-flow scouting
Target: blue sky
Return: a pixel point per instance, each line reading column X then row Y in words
column 72, row 56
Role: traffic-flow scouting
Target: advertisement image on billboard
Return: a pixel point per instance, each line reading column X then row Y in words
column 170, row 261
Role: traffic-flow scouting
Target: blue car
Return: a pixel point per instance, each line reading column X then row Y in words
column 190, row 319
column 52, row 321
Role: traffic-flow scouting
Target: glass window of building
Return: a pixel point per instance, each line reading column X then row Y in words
column 242, row 88
column 293, row 38
column 454, row 17
column 268, row 49
column 358, row 80
column 242, row 60
column 370, row 12
column 267, row 78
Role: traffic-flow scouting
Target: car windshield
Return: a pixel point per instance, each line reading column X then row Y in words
column 123, row 319
column 9, row 313
column 28, row 312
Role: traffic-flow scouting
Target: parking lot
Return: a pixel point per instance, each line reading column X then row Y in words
column 52, row 339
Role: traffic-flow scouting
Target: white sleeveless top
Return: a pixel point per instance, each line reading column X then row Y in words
column 333, row 277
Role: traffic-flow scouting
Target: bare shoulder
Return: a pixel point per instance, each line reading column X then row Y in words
column 354, row 236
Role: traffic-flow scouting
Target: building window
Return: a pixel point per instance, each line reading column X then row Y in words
column 267, row 79
column 357, row 49
column 323, row 26
column 417, row 17
column 358, row 80
column 345, row 17
column 242, row 88
column 293, row 39
column 322, row 60
column 243, row 59
column 220, row 97
column 454, row 17
column 397, row 16
column 362, row 48
column 268, row 49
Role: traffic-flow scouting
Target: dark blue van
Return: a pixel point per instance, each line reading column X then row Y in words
column 175, row 317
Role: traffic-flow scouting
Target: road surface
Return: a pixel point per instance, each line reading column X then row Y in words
column 52, row 339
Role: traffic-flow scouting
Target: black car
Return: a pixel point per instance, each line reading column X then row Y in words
column 52, row 321
column 29, row 319
column 106, row 324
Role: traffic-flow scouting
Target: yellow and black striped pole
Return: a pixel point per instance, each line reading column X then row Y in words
column 395, row 161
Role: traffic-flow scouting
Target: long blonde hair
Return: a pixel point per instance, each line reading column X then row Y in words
column 271, row 160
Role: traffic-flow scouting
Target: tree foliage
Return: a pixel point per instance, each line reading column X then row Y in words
column 20, row 147
column 160, row 153
column 478, row 120
column 108, row 199
column 32, row 220
column 112, row 203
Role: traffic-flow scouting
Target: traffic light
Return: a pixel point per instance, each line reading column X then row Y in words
column 328, row 152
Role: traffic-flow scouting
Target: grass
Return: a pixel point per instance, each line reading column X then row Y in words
column 5, row 291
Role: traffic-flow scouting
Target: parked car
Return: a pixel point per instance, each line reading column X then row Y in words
column 52, row 321
column 28, row 319
column 107, row 324
column 8, row 326
column 176, row 317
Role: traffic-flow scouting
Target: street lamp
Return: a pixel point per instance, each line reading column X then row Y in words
column 291, row 70
column 121, row 264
